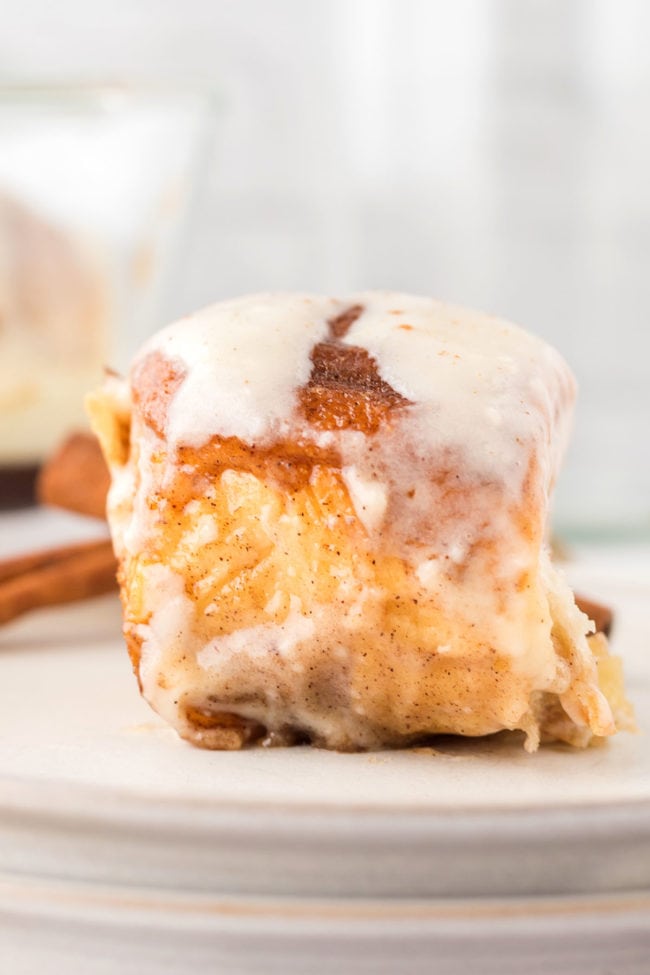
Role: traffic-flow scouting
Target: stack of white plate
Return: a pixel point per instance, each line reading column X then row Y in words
column 124, row 850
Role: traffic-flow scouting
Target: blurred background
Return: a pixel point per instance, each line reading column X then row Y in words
column 160, row 155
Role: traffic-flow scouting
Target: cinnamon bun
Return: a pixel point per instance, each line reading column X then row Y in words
column 330, row 519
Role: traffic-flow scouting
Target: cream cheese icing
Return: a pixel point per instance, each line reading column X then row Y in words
column 462, row 368
column 245, row 360
column 481, row 389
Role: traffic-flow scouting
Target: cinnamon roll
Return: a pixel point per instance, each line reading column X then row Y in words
column 330, row 519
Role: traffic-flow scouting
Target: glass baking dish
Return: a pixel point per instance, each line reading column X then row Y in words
column 95, row 192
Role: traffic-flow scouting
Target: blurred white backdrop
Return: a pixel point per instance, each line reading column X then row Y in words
column 491, row 152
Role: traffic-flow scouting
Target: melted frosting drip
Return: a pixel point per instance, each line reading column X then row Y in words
column 243, row 362
column 445, row 389
column 472, row 379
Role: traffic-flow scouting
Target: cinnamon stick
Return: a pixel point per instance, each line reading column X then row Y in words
column 602, row 615
column 76, row 477
column 55, row 576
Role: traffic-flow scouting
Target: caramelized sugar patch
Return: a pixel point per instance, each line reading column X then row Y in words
column 221, row 729
column 345, row 390
column 340, row 326
column 288, row 464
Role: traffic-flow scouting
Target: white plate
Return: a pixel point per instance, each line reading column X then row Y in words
column 45, row 930
column 102, row 806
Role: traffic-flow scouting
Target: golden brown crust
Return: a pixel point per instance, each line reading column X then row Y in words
column 112, row 424
column 287, row 464
column 221, row 730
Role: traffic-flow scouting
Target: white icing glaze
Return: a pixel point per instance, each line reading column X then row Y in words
column 164, row 638
column 479, row 386
column 244, row 360
column 461, row 368
column 260, row 640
